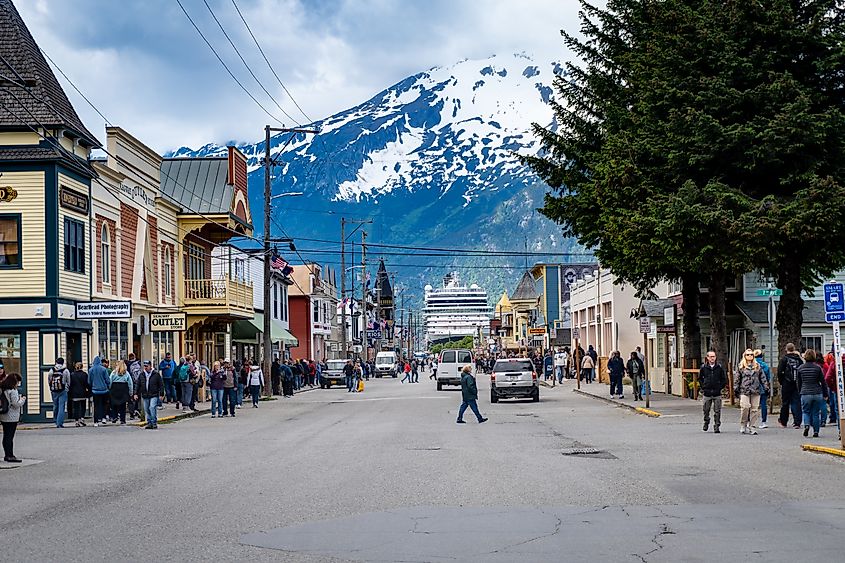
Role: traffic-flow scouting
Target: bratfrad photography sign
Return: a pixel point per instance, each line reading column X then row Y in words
column 104, row 310
column 73, row 200
column 167, row 322
column 8, row 193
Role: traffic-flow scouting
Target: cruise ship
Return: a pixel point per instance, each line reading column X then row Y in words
column 455, row 310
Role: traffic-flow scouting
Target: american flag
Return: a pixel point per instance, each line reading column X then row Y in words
column 277, row 263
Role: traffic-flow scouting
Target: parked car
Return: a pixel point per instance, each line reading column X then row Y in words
column 514, row 378
column 333, row 374
column 449, row 367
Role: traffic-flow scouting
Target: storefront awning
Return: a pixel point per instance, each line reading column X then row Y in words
column 248, row 331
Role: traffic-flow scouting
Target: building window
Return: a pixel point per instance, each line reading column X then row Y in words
column 10, row 352
column 240, row 274
column 275, row 301
column 74, row 246
column 105, row 254
column 167, row 272
column 10, row 242
column 162, row 344
column 196, row 262
column 814, row 342
column 283, row 290
column 316, row 314
column 113, row 337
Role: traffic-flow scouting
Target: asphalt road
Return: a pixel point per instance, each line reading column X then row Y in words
column 387, row 475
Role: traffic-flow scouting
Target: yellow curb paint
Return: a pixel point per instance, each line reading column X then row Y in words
column 162, row 419
column 647, row 412
column 823, row 450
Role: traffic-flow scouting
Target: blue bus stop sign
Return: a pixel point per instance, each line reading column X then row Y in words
column 833, row 298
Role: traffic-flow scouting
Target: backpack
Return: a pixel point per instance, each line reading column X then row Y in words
column 4, row 403
column 791, row 368
column 57, row 383
column 183, row 373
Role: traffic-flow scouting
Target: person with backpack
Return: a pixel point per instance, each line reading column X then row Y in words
column 121, row 391
column 11, row 403
column 78, row 393
column 790, row 399
column 59, row 378
column 712, row 379
column 98, row 383
column 133, row 367
column 287, row 380
column 184, row 376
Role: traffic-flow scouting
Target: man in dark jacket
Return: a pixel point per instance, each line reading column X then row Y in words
column 469, row 393
column 790, row 399
column 616, row 367
column 712, row 379
column 150, row 387
column 276, row 376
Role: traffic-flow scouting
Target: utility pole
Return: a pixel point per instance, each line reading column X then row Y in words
column 343, row 288
column 268, row 163
column 364, row 344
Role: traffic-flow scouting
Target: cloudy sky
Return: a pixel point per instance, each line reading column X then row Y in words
column 147, row 69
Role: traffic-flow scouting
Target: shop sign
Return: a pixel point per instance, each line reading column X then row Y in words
column 168, row 322
column 73, row 200
column 104, row 310
column 8, row 193
column 536, row 331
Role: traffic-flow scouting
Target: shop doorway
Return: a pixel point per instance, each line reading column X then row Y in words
column 73, row 351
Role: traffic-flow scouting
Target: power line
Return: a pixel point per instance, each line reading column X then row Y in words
column 222, row 62
column 78, row 91
column 269, row 65
column 248, row 68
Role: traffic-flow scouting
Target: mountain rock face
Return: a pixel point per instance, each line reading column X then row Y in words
column 432, row 160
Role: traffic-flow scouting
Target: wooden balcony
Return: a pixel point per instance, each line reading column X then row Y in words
column 218, row 297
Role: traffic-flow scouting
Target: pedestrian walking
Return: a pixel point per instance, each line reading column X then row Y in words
column 595, row 356
column 764, row 395
column 790, row 399
column 349, row 373
column 256, row 382
column 587, row 367
column 133, row 366
column 230, row 389
column 712, row 379
column 98, row 383
column 216, row 381
column 59, row 378
column 78, row 394
column 415, row 371
column 749, row 381
column 150, row 389
column 10, row 414
column 243, row 376
column 616, row 369
column 121, row 391
column 636, row 371
column 811, row 388
column 548, row 366
column 469, row 393
column 406, row 369
column 830, row 380
column 167, row 369
column 560, row 365
column 433, row 374
column 287, row 380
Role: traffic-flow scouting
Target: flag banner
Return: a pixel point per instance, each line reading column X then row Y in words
column 279, row 263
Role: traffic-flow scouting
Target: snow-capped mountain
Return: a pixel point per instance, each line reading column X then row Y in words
column 433, row 160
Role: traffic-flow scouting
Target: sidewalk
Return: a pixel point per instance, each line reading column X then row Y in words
column 670, row 409
column 166, row 415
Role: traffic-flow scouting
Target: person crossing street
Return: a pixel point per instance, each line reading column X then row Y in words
column 469, row 393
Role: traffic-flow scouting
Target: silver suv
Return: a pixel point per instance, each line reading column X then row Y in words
column 514, row 377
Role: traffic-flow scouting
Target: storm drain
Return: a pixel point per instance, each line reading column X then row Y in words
column 593, row 453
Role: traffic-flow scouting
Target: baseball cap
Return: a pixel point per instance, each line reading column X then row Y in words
column 147, row 363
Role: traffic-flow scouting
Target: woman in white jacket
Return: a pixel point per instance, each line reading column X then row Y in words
column 256, row 382
column 9, row 420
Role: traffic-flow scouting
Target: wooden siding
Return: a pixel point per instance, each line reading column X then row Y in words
column 30, row 280
column 154, row 278
column 128, row 230
column 71, row 284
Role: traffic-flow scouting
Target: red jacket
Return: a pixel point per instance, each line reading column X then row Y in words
column 830, row 375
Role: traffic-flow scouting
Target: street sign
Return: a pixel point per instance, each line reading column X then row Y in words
column 833, row 299
column 769, row 292
column 374, row 334
column 834, row 317
column 576, row 333
column 645, row 325
column 536, row 331
column 840, row 377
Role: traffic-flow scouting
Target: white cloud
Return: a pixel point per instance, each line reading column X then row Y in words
column 148, row 71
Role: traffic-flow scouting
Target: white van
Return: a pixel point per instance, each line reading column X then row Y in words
column 449, row 366
column 386, row 364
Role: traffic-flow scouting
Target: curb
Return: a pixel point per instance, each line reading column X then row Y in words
column 639, row 410
column 823, row 450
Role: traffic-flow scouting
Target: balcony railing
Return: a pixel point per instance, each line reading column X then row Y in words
column 218, row 296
